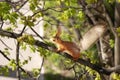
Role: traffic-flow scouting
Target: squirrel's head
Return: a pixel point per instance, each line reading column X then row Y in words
column 56, row 38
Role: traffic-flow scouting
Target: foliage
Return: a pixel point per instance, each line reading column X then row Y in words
column 6, row 14
column 36, row 72
column 4, row 70
column 27, row 38
column 111, row 42
column 70, row 15
column 12, row 64
column 92, row 55
column 115, row 76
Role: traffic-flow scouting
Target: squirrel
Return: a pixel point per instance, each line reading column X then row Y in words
column 66, row 46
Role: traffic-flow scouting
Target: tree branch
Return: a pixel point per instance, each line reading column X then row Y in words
column 9, row 34
column 36, row 33
column 39, row 76
column 17, row 60
column 5, row 44
column 51, row 48
column 114, row 69
column 2, row 22
column 21, row 5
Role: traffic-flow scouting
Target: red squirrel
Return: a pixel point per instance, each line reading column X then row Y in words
column 65, row 46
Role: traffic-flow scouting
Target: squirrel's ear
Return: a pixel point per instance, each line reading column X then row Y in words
column 58, row 31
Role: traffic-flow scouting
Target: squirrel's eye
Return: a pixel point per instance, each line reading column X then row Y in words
column 53, row 39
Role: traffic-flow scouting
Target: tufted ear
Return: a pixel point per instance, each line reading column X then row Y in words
column 58, row 31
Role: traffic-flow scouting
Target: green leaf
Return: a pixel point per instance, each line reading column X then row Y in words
column 66, row 36
column 14, row 14
column 9, row 29
column 12, row 17
column 4, row 70
column 81, row 16
column 31, row 39
column 111, row 1
column 23, row 46
column 118, row 29
column 116, row 76
column 36, row 71
column 26, row 38
column 32, row 48
column 4, row 8
column 43, row 52
column 32, row 7
column 12, row 64
column 33, row 4
column 25, row 62
column 29, row 23
column 112, row 43
column 24, row 74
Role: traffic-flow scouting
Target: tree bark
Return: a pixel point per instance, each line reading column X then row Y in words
column 117, row 37
column 17, row 61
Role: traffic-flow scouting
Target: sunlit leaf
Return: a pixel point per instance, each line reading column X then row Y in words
column 111, row 42
column 12, row 64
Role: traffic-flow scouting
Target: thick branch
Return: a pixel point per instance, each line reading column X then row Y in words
column 50, row 48
column 9, row 34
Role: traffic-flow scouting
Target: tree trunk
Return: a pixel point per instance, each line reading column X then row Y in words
column 117, row 38
column 117, row 50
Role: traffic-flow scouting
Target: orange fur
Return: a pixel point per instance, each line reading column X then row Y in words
column 66, row 46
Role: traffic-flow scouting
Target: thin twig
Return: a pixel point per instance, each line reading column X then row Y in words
column 38, row 78
column 109, row 20
column 5, row 44
column 5, row 55
column 23, row 30
column 36, row 33
column 18, row 60
column 21, row 6
column 42, row 64
column 2, row 23
column 39, row 21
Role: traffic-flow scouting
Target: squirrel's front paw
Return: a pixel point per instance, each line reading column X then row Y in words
column 58, row 51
